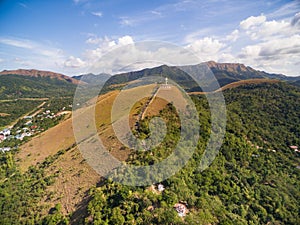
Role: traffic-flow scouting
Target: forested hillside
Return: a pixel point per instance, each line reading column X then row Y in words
column 253, row 180
column 19, row 86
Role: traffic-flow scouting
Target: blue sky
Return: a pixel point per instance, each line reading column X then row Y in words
column 67, row 36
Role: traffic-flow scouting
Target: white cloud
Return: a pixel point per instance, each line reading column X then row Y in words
column 99, row 14
column 272, row 29
column 250, row 51
column 156, row 13
column 233, row 36
column 140, row 55
column 206, row 48
column 34, row 47
column 270, row 45
column 281, row 47
column 204, row 32
column 275, row 55
column 17, row 43
column 93, row 40
column 125, row 40
column 74, row 62
column 105, row 45
column 24, row 53
column 252, row 21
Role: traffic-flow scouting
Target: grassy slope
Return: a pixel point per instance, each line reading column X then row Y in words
column 75, row 177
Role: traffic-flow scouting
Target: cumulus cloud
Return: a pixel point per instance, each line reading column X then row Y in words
column 105, row 45
column 93, row 40
column 233, row 36
column 74, row 62
column 275, row 55
column 206, row 45
column 141, row 55
column 207, row 48
column 271, row 29
column 125, row 40
column 276, row 48
column 270, row 45
column 252, row 21
column 250, row 51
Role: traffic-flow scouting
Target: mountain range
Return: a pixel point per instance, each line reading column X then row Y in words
column 225, row 73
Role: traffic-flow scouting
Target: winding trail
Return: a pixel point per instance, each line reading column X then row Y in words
column 142, row 114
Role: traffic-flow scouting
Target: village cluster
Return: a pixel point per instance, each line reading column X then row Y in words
column 28, row 127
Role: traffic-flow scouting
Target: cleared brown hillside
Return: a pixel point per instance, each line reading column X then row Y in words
column 104, row 123
column 56, row 138
column 74, row 178
column 61, row 136
column 163, row 97
column 48, row 143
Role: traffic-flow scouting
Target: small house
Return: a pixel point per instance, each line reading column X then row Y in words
column 181, row 209
column 294, row 147
column 6, row 132
column 5, row 149
column 160, row 187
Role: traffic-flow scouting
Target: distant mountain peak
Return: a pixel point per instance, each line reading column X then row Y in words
column 39, row 73
column 230, row 67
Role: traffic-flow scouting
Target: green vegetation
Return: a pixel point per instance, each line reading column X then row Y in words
column 20, row 95
column 245, row 184
column 20, row 193
column 15, row 109
column 17, row 86
column 253, row 180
